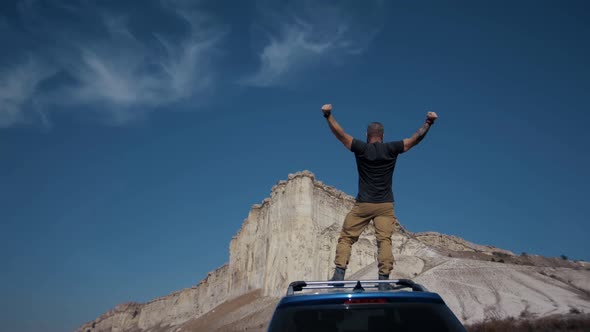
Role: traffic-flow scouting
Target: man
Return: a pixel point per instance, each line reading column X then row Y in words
column 375, row 162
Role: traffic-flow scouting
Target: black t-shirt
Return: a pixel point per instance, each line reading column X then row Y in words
column 375, row 163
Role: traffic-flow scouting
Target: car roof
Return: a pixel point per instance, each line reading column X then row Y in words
column 342, row 297
column 334, row 292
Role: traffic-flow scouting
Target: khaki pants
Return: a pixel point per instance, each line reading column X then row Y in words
column 356, row 220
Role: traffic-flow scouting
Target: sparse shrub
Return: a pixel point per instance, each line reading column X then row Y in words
column 493, row 260
column 575, row 311
column 524, row 254
column 556, row 323
column 500, row 254
column 500, row 260
column 564, row 257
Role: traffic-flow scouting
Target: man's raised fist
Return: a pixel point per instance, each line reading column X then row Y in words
column 431, row 116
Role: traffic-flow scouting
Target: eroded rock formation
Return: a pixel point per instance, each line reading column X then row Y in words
column 292, row 236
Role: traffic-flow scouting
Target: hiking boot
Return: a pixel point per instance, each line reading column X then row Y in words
column 384, row 287
column 338, row 276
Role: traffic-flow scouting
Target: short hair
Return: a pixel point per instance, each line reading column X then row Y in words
column 375, row 129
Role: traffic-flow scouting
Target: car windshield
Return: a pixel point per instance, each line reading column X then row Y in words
column 398, row 317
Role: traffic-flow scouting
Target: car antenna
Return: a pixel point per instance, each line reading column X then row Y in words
column 358, row 287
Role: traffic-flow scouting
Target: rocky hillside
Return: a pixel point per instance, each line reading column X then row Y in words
column 292, row 235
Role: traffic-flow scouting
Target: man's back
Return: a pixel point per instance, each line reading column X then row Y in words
column 375, row 164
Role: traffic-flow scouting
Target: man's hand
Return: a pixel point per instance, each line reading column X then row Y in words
column 432, row 116
column 327, row 110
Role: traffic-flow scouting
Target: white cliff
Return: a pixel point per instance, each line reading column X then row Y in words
column 292, row 235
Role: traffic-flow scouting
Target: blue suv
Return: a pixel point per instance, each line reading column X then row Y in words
column 358, row 306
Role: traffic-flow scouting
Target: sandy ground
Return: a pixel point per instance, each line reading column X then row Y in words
column 249, row 312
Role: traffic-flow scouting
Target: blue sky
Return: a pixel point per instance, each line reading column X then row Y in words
column 135, row 137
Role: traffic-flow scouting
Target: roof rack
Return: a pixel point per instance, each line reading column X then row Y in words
column 355, row 285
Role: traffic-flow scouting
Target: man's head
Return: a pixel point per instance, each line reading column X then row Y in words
column 375, row 132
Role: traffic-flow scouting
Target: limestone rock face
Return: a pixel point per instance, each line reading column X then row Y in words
column 289, row 236
column 180, row 306
column 122, row 318
column 169, row 310
column 292, row 235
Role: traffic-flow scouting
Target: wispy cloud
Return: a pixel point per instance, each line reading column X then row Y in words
column 121, row 62
column 18, row 84
column 125, row 71
column 306, row 34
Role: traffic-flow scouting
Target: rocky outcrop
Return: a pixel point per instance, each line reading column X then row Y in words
column 289, row 236
column 169, row 310
column 292, row 236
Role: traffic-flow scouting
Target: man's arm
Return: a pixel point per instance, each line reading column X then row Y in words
column 421, row 133
column 335, row 127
